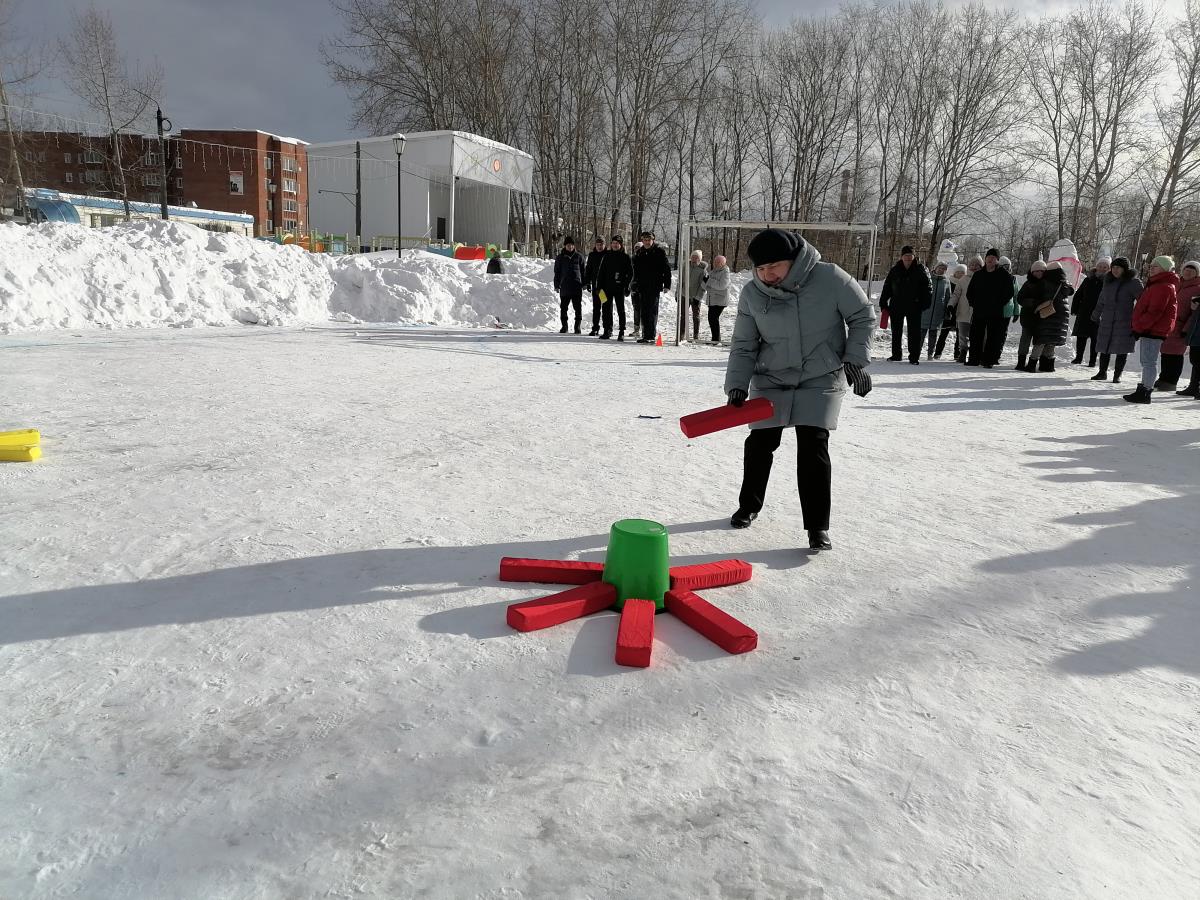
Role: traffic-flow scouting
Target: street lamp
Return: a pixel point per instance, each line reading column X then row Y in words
column 724, row 233
column 398, row 142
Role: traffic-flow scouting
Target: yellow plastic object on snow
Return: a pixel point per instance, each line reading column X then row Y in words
column 603, row 296
column 22, row 437
column 20, row 453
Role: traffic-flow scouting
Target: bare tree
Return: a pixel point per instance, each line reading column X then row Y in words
column 19, row 65
column 97, row 73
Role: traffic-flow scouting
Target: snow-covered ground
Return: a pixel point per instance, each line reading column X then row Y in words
column 252, row 641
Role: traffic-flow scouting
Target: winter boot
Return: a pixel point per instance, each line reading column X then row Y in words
column 1193, row 388
column 1020, row 366
column 606, row 336
column 1044, row 365
column 563, row 330
column 593, row 333
column 742, row 518
column 1141, row 394
column 1077, row 360
column 578, row 329
column 819, row 540
column 1163, row 385
column 621, row 336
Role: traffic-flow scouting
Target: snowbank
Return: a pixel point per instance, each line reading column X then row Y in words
column 168, row 274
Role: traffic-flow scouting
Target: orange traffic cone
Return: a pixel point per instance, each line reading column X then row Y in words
column 658, row 340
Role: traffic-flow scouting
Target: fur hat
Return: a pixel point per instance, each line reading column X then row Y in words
column 1121, row 261
column 1166, row 263
column 1054, row 266
column 1005, row 262
column 1192, row 264
column 774, row 245
column 977, row 259
column 959, row 271
column 1107, row 260
column 1038, row 266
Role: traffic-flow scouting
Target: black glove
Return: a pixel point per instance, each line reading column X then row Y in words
column 737, row 397
column 859, row 380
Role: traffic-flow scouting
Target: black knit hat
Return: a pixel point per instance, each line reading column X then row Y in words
column 906, row 249
column 774, row 245
column 617, row 239
column 599, row 240
column 1121, row 261
column 568, row 240
column 993, row 252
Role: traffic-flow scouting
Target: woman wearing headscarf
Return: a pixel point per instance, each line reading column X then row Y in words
column 1028, row 297
column 1052, row 319
column 1114, row 315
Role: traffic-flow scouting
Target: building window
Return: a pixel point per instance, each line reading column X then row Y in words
column 270, row 205
column 92, row 177
column 179, row 183
column 441, row 228
column 268, row 162
column 179, row 162
column 236, row 185
column 92, row 158
column 289, row 164
column 270, row 224
column 289, row 224
column 67, row 158
column 151, row 159
column 151, row 180
column 70, row 178
column 289, row 185
column 290, row 205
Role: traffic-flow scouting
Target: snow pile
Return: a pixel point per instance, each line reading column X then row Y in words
column 152, row 274
column 428, row 288
column 168, row 274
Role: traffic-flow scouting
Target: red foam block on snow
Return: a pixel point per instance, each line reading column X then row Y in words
column 717, row 625
column 550, row 571
column 722, row 417
column 532, row 615
column 714, row 574
column 635, row 634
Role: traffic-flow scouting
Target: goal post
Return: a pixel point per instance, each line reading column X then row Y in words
column 847, row 243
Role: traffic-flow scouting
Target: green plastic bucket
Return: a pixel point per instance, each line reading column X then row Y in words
column 638, row 561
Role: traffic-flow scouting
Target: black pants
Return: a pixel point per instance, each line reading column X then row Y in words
column 814, row 473
column 695, row 305
column 987, row 339
column 596, row 309
column 1194, row 379
column 635, row 303
column 714, row 321
column 606, row 313
column 1081, row 341
column 649, row 314
column 1120, row 365
column 571, row 295
column 1172, row 368
column 911, row 321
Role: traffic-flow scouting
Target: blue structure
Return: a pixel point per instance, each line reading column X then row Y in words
column 79, row 209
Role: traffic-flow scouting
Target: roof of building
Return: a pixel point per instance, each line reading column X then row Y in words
column 270, row 134
column 423, row 136
column 48, row 195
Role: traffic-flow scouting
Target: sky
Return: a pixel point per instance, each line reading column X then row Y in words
column 238, row 64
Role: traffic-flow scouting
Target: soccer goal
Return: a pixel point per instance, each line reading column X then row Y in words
column 851, row 245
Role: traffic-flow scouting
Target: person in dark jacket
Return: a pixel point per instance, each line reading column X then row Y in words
column 1082, row 307
column 1051, row 318
column 907, row 292
column 614, row 276
column 589, row 281
column 990, row 291
column 568, row 283
column 1028, row 297
column 652, row 275
column 635, row 297
column 1175, row 347
column 494, row 266
column 933, row 320
column 1190, row 296
column 1114, row 315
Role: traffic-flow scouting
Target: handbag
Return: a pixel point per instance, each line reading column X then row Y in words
column 1045, row 309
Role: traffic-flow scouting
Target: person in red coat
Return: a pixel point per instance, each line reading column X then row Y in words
column 1153, row 319
column 1175, row 347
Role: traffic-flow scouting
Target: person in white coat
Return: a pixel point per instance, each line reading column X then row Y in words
column 962, row 309
column 717, row 296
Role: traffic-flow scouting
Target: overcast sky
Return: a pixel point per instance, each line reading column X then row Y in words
column 239, row 64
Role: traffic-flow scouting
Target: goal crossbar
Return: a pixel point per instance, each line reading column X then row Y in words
column 683, row 292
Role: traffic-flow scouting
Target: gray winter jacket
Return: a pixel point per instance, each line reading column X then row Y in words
column 718, row 287
column 697, row 275
column 932, row 317
column 790, row 340
column 1114, row 312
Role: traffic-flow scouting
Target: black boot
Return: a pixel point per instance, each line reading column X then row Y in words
column 742, row 518
column 1193, row 388
column 1163, row 385
column 819, row 540
column 621, row 336
column 1045, row 365
column 1141, row 394
column 1020, row 366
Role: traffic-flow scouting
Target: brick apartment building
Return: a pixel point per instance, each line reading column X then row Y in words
column 251, row 172
column 236, row 171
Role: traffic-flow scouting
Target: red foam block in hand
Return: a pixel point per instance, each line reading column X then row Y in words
column 550, row 571
column 723, row 417
column 635, row 634
column 714, row 574
column 584, row 600
column 715, row 624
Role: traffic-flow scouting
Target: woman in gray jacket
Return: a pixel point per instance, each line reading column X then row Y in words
column 1114, row 312
column 803, row 330
column 718, row 295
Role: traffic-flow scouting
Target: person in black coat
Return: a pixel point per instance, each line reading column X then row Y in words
column 614, row 277
column 494, row 266
column 589, row 281
column 1052, row 319
column 907, row 292
column 652, row 275
column 568, row 283
column 1082, row 307
column 990, row 291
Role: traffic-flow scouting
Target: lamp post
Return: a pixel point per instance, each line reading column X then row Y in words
column 724, row 232
column 398, row 142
